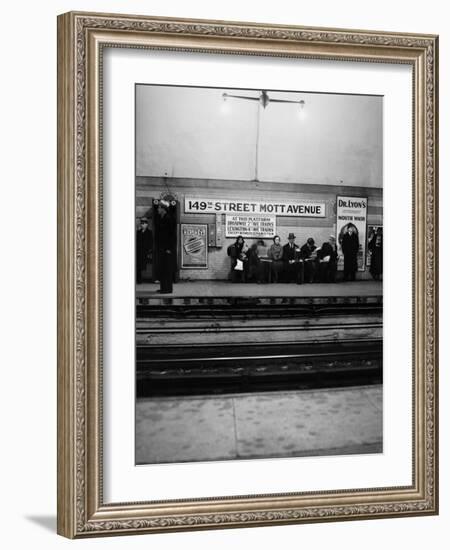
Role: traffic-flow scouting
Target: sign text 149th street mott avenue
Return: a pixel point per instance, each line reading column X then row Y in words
column 279, row 208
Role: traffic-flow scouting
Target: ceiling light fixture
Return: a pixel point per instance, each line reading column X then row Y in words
column 263, row 99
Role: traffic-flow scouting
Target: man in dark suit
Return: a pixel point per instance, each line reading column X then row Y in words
column 166, row 242
column 144, row 247
column 350, row 248
column 293, row 264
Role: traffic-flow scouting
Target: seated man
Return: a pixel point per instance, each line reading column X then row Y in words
column 293, row 264
column 327, row 258
column 308, row 255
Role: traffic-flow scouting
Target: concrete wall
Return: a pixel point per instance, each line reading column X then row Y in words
column 194, row 133
column 219, row 263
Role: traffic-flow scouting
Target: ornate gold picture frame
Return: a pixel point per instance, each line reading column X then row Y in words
column 82, row 40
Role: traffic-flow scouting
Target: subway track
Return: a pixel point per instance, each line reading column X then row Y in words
column 235, row 369
column 193, row 346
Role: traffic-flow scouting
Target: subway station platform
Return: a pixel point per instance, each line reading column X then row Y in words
column 238, row 336
column 225, row 289
column 323, row 422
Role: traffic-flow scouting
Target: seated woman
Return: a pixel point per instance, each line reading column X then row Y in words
column 275, row 254
column 236, row 251
column 262, row 272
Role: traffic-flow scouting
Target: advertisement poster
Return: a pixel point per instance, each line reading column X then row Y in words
column 194, row 246
column 250, row 226
column 351, row 211
column 278, row 208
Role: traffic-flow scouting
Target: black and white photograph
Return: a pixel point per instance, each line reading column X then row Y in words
column 259, row 274
column 236, row 325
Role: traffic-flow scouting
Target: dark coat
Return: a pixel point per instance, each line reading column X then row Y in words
column 350, row 244
column 144, row 245
column 144, row 251
column 290, row 253
column 293, row 271
column 327, row 270
column 166, row 234
column 327, row 250
column 306, row 251
column 235, row 251
column 166, row 244
column 350, row 247
column 376, row 260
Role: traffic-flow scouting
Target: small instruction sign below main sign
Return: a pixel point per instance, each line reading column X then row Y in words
column 250, row 226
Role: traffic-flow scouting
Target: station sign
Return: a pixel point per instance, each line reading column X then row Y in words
column 310, row 209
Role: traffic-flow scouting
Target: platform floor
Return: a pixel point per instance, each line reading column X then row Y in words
column 224, row 288
column 324, row 422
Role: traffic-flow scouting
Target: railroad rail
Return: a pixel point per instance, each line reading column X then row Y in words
column 181, row 370
column 219, row 344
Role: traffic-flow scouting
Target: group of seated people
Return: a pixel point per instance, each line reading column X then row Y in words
column 287, row 263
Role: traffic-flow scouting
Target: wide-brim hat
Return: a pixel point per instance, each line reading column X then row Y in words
column 291, row 236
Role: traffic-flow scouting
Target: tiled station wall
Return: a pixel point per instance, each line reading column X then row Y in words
column 319, row 229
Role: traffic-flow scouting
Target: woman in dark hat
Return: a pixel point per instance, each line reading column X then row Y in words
column 275, row 254
column 237, row 254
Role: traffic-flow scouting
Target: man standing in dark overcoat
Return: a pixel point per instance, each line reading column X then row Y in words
column 350, row 247
column 144, row 247
column 166, row 243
